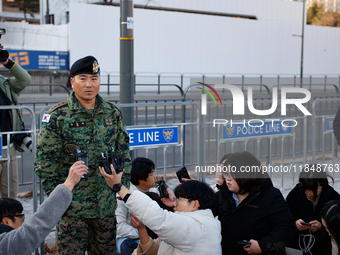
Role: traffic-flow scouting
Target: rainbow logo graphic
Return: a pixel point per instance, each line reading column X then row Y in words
column 204, row 97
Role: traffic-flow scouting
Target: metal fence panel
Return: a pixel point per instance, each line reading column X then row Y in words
column 324, row 148
column 31, row 131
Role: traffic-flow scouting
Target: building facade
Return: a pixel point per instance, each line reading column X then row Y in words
column 8, row 13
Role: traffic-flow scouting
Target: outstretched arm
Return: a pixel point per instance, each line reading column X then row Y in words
column 28, row 237
column 21, row 77
column 143, row 234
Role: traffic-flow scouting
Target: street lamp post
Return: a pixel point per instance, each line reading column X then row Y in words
column 302, row 41
column 127, row 82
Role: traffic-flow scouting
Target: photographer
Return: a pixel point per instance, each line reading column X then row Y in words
column 11, row 121
column 143, row 178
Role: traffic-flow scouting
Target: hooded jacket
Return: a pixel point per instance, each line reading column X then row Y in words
column 124, row 228
column 303, row 209
column 5, row 228
column 263, row 216
column 182, row 233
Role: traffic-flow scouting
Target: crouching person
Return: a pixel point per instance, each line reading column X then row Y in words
column 143, row 178
column 19, row 237
column 191, row 229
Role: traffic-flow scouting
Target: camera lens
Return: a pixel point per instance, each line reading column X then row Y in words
column 28, row 142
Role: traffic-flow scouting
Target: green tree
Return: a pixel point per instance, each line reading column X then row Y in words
column 315, row 12
column 27, row 6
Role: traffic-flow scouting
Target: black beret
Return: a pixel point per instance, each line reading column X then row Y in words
column 86, row 65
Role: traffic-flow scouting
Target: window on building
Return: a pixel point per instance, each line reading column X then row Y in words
column 52, row 19
column 67, row 17
column 49, row 19
column 6, row 8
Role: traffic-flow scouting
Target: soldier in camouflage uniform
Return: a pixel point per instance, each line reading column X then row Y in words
column 86, row 122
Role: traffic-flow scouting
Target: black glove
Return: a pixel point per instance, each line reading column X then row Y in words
column 3, row 55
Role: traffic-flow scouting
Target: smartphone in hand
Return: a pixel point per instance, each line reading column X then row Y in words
column 244, row 243
column 305, row 223
column 82, row 155
column 182, row 173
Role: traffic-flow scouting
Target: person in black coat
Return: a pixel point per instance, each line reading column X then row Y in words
column 330, row 217
column 305, row 201
column 336, row 126
column 250, row 208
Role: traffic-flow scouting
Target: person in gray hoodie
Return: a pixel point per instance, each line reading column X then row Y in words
column 21, row 237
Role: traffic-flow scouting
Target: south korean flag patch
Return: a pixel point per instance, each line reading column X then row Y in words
column 46, row 118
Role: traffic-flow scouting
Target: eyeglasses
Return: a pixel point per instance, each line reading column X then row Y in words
column 228, row 176
column 177, row 199
column 154, row 174
column 22, row 216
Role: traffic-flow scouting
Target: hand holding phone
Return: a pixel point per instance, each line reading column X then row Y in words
column 305, row 223
column 244, row 243
column 82, row 155
column 182, row 173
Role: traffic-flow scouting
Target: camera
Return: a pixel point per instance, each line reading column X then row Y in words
column 161, row 186
column 105, row 163
column 82, row 155
column 23, row 139
column 3, row 53
column 118, row 163
column 2, row 32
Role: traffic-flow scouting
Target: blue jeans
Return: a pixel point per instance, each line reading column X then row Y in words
column 126, row 245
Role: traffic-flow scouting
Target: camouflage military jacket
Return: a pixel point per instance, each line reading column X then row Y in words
column 71, row 125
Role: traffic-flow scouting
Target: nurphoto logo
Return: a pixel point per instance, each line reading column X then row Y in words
column 239, row 101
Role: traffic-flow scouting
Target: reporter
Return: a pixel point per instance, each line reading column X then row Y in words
column 143, row 178
column 305, row 202
column 250, row 208
column 191, row 230
column 219, row 171
column 25, row 237
column 330, row 217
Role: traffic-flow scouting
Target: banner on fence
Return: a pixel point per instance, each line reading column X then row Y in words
column 265, row 128
column 153, row 136
column 40, row 60
column 329, row 124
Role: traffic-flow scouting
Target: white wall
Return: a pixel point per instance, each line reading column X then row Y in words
column 21, row 35
column 278, row 10
column 183, row 43
column 263, row 9
column 322, row 51
column 179, row 42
